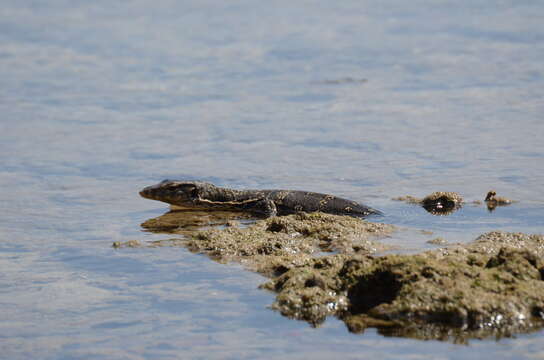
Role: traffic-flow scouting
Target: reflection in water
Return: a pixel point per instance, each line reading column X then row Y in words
column 441, row 208
column 185, row 223
column 188, row 221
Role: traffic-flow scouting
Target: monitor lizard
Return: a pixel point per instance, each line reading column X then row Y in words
column 267, row 203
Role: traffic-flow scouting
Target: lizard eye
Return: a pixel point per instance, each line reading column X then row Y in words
column 194, row 193
column 190, row 190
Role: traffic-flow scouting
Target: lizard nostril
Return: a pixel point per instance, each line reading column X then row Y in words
column 146, row 193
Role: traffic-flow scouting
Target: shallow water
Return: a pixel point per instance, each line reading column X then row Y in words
column 100, row 99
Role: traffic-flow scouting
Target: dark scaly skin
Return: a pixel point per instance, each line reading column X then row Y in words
column 202, row 195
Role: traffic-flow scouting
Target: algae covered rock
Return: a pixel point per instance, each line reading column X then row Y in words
column 492, row 200
column 311, row 291
column 282, row 241
column 437, row 203
column 442, row 202
column 323, row 265
column 493, row 286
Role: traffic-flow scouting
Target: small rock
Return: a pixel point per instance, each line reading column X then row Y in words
column 492, row 200
column 438, row 241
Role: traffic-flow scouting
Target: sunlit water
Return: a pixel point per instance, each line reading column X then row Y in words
column 99, row 99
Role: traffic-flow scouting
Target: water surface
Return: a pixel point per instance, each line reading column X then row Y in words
column 100, row 99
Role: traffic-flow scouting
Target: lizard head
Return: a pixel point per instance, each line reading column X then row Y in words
column 175, row 192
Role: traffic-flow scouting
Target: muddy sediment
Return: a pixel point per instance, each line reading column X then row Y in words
column 323, row 265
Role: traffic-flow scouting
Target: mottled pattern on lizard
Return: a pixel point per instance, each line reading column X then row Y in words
column 202, row 195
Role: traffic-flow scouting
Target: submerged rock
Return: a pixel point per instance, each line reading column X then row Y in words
column 438, row 241
column 148, row 244
column 408, row 199
column 127, row 244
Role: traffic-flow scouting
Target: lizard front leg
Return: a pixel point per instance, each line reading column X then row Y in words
column 265, row 207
